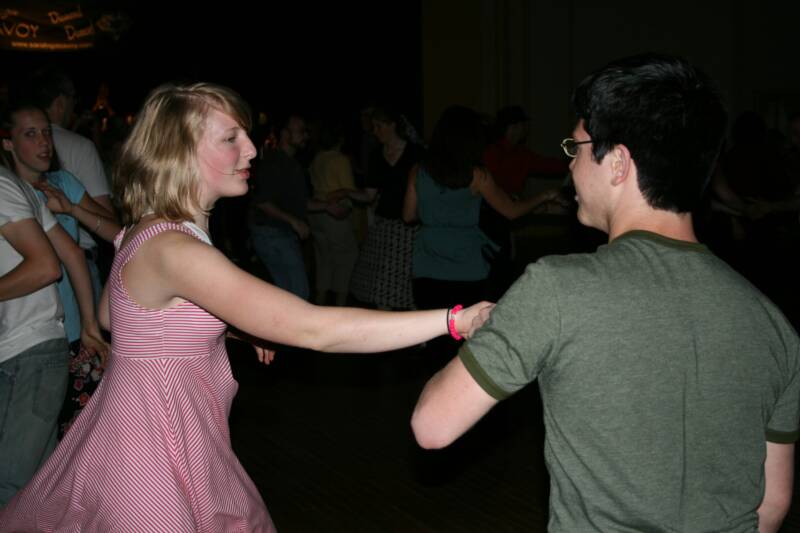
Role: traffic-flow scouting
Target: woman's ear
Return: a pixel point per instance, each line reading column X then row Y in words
column 8, row 146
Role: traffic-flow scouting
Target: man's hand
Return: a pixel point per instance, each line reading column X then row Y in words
column 468, row 320
column 264, row 351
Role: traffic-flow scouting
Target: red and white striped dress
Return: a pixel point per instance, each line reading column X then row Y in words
column 151, row 451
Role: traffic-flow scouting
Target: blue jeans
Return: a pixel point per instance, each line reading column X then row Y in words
column 32, row 389
column 281, row 252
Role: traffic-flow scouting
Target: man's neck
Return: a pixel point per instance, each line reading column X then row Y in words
column 676, row 226
column 56, row 118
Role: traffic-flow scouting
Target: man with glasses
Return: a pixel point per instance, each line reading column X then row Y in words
column 670, row 385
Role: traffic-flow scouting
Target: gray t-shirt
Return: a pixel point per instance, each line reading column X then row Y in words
column 662, row 374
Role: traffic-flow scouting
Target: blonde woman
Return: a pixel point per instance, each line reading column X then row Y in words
column 151, row 452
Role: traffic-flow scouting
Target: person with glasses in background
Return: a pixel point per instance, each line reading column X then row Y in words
column 670, row 385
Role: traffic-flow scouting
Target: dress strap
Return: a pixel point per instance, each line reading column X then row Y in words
column 118, row 238
column 131, row 247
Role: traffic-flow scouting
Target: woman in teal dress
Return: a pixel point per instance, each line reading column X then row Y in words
column 444, row 193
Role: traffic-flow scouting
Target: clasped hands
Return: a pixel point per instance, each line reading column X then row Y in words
column 471, row 318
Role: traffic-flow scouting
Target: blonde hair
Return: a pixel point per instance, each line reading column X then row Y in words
column 157, row 169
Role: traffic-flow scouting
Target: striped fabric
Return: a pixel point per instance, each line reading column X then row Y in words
column 151, row 451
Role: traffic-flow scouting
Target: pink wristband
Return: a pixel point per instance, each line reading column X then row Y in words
column 451, row 321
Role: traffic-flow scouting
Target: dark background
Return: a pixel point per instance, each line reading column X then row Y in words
column 312, row 57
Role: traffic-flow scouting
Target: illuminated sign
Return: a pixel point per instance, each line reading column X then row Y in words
column 58, row 28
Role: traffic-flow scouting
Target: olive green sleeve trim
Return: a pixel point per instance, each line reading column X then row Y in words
column 782, row 437
column 480, row 376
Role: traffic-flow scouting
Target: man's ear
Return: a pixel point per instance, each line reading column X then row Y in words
column 621, row 163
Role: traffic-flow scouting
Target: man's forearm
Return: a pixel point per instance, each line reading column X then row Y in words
column 28, row 277
column 779, row 482
column 770, row 518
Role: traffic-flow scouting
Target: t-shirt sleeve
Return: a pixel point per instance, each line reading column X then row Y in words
column 783, row 425
column 514, row 345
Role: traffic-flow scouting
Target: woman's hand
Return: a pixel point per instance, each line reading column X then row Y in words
column 57, row 201
column 469, row 319
column 93, row 342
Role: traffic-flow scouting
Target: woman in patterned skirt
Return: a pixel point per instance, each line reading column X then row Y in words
column 382, row 276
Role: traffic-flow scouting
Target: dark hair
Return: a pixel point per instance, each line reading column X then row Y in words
column 281, row 120
column 507, row 116
column 388, row 114
column 49, row 83
column 668, row 116
column 456, row 148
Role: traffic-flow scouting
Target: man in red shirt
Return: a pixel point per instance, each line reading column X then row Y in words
column 509, row 160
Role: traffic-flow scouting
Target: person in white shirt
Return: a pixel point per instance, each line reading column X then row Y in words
column 34, row 353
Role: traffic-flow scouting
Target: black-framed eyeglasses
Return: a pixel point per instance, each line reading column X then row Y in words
column 570, row 146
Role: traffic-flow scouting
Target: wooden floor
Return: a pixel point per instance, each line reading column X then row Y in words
column 327, row 441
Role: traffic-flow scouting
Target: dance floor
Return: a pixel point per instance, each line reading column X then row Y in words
column 327, row 441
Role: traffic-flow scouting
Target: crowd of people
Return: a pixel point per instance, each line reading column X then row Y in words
column 669, row 382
